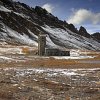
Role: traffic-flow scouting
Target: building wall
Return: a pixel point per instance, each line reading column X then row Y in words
column 64, row 53
column 51, row 52
column 56, row 52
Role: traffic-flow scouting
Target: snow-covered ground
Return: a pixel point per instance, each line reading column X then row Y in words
column 51, row 71
column 73, row 57
column 11, row 50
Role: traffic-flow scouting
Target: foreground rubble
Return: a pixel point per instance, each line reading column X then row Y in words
column 49, row 84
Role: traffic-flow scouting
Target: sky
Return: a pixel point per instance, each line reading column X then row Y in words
column 78, row 12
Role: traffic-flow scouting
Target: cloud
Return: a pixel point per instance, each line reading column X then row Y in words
column 48, row 7
column 83, row 15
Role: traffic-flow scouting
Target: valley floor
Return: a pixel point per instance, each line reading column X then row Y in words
column 24, row 76
column 91, row 60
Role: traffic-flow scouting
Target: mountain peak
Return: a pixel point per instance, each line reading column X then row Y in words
column 83, row 32
column 40, row 11
column 72, row 28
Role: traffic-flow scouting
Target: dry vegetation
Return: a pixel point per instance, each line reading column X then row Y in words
column 51, row 62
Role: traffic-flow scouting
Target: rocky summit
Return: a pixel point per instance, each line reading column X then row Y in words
column 21, row 24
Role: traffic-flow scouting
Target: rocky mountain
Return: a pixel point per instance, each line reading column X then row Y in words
column 21, row 24
column 83, row 32
column 96, row 36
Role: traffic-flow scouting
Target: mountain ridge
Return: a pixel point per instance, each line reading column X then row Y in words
column 19, row 20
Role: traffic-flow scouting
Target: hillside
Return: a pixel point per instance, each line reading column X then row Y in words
column 21, row 24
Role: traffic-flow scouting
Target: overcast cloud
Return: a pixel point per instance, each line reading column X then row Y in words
column 82, row 15
column 48, row 7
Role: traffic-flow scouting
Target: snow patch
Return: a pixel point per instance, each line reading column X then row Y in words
column 22, row 15
column 10, row 50
column 74, row 52
column 5, row 58
column 72, row 57
column 50, row 71
column 2, row 8
column 50, row 42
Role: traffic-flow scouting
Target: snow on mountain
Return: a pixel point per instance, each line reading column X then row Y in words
column 2, row 8
column 20, row 38
column 68, row 38
column 21, row 24
column 24, row 39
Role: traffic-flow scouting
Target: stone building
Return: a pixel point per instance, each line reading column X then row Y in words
column 43, row 51
column 41, row 44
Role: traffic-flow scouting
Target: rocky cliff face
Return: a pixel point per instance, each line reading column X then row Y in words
column 21, row 24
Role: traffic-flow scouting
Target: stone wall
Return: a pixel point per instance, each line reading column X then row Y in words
column 56, row 52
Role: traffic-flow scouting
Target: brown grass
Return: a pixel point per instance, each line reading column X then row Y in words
column 25, row 50
column 55, row 63
column 6, row 92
